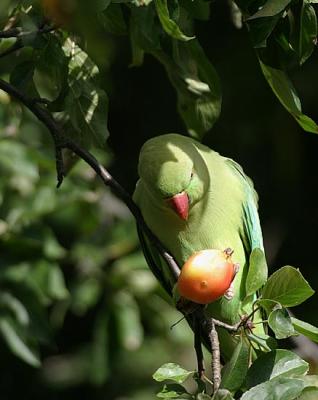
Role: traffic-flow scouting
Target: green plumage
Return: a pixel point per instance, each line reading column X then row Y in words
column 223, row 210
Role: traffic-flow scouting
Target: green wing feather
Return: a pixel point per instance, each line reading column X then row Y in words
column 154, row 261
column 252, row 237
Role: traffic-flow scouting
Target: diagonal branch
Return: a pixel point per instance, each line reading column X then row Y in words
column 60, row 142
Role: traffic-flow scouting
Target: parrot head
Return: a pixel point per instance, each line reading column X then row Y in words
column 174, row 173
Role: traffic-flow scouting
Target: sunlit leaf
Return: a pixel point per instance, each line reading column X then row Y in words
column 174, row 391
column 281, row 324
column 270, row 8
column 288, row 287
column 167, row 23
column 172, row 372
column 276, row 389
column 305, row 329
column 286, row 93
column 17, row 343
column 276, row 364
column 234, row 372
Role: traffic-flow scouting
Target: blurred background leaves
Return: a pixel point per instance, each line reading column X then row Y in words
column 75, row 292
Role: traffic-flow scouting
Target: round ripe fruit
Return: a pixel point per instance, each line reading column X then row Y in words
column 206, row 276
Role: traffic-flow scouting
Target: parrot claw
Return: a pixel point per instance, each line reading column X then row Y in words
column 229, row 294
column 236, row 269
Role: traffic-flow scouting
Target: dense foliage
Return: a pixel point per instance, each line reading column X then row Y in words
column 77, row 301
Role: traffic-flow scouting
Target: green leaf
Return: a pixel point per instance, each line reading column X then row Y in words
column 286, row 93
column 16, row 307
column 146, row 29
column 100, row 349
column 136, row 51
column 53, row 63
column 167, row 23
column 257, row 272
column 287, row 286
column 276, row 389
column 234, row 372
column 281, row 324
column 260, row 30
column 264, row 342
column 305, row 328
column 270, row 8
column 203, row 396
column 311, row 380
column 308, row 394
column 268, row 305
column 308, row 31
column 22, row 77
column 56, row 284
column 174, row 391
column 86, row 104
column 276, row 364
column 197, row 84
column 17, row 342
column 199, row 9
column 172, row 372
column 113, row 20
column 222, row 394
column 127, row 316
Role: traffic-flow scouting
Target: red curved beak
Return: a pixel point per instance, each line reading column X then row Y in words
column 180, row 204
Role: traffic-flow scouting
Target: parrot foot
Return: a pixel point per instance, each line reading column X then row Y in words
column 229, row 294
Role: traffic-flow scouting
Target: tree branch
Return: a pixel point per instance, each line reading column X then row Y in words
column 18, row 32
column 60, row 142
column 215, row 350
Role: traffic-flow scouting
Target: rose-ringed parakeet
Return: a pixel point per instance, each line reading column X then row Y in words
column 192, row 199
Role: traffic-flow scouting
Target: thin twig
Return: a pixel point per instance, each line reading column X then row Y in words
column 198, row 346
column 10, row 33
column 18, row 32
column 215, row 350
column 228, row 327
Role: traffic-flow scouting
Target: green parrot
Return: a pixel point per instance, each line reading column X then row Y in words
column 192, row 199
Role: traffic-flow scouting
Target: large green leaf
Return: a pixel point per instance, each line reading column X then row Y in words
column 288, row 287
column 276, row 364
column 281, row 324
column 100, row 349
column 86, row 104
column 172, row 372
column 197, row 85
column 174, row 391
column 309, row 394
column 276, row 389
column 307, row 31
column 168, row 24
column 305, row 329
column 234, row 372
column 257, row 272
column 287, row 95
column 260, row 30
column 222, row 394
column 22, row 77
column 113, row 20
column 270, row 9
column 17, row 342
column 126, row 311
